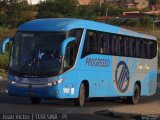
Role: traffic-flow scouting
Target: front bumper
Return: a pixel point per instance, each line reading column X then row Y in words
column 42, row 92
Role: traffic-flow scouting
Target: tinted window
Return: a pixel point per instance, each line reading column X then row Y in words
column 119, row 45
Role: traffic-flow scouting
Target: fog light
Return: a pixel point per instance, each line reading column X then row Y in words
column 55, row 92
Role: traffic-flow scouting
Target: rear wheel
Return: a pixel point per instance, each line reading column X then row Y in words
column 81, row 97
column 35, row 100
column 135, row 97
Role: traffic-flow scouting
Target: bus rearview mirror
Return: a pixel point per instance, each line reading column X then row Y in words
column 3, row 44
column 65, row 43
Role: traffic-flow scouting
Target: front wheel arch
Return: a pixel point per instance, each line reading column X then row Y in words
column 85, row 85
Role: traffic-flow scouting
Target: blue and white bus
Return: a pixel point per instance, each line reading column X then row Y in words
column 79, row 59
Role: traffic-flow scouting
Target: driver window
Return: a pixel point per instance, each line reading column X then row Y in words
column 70, row 55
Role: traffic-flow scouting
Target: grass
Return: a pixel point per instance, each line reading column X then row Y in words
column 3, row 74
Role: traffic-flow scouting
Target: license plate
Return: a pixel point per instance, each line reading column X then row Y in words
column 30, row 93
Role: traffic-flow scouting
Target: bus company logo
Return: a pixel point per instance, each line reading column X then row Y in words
column 122, row 77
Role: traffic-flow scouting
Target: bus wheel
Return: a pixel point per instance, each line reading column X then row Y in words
column 136, row 95
column 35, row 100
column 81, row 97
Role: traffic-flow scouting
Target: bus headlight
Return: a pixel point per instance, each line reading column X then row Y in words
column 12, row 82
column 55, row 82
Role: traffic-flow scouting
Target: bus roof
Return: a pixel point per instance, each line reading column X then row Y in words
column 65, row 24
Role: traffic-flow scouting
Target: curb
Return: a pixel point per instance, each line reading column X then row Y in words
column 1, row 80
column 3, row 92
column 132, row 115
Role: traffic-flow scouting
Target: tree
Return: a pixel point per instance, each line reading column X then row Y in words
column 19, row 13
column 57, row 8
column 146, row 21
column 154, row 1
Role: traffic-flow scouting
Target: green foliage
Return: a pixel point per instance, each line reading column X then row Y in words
column 15, row 13
column 146, row 21
column 4, row 61
column 130, row 22
column 19, row 13
column 145, row 10
column 158, row 57
column 154, row 1
column 57, row 8
column 3, row 19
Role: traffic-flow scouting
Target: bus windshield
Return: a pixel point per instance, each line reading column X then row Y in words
column 36, row 53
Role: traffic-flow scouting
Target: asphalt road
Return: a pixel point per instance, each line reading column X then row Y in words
column 93, row 109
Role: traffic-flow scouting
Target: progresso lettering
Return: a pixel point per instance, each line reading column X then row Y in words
column 95, row 62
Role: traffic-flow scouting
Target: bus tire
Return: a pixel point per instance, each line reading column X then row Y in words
column 136, row 95
column 81, row 96
column 35, row 100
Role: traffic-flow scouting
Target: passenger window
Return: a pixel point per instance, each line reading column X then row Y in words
column 105, row 43
column 119, row 45
column 144, row 50
column 130, row 47
column 153, row 49
column 126, row 46
column 100, row 43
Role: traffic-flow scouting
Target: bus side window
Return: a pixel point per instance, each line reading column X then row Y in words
column 88, row 44
column 144, row 50
column 153, row 49
column 110, row 44
column 113, row 44
column 100, row 43
column 106, row 43
column 95, row 43
column 121, row 45
column 130, row 47
column 126, row 46
column 138, row 48
column 117, row 45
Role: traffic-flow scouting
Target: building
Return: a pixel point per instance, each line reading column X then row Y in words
column 34, row 2
column 87, row 2
column 31, row 2
column 154, row 7
column 105, row 18
column 84, row 2
column 131, row 15
column 139, row 4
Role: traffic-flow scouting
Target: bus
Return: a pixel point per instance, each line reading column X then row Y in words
column 68, row 58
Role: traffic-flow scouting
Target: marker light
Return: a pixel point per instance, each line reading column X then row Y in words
column 13, row 82
column 55, row 82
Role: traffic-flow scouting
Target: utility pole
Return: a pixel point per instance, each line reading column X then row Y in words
column 106, row 11
column 156, row 21
column 100, row 3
